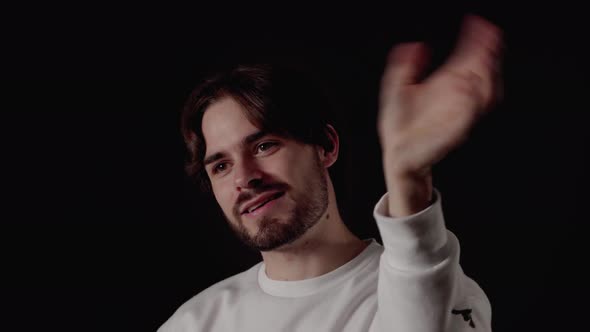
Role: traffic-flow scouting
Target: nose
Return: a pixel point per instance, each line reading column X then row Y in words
column 247, row 175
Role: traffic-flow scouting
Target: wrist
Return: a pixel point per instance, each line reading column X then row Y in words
column 410, row 191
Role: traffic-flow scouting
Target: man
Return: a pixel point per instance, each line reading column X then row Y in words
column 261, row 143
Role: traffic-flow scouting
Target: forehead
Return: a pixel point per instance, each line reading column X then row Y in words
column 225, row 124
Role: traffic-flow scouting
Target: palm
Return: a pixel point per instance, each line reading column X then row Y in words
column 419, row 123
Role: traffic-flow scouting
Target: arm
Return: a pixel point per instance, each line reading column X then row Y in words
column 421, row 285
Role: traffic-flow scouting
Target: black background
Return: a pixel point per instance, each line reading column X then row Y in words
column 102, row 231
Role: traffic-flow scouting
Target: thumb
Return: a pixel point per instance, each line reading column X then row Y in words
column 405, row 63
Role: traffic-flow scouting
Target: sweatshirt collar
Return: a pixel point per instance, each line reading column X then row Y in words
column 314, row 285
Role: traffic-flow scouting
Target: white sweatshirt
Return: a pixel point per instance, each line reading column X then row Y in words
column 412, row 284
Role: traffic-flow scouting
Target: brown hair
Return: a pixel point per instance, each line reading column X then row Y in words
column 276, row 99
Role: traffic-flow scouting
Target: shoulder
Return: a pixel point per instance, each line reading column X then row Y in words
column 189, row 316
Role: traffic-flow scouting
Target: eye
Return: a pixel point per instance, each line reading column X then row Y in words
column 219, row 167
column 265, row 146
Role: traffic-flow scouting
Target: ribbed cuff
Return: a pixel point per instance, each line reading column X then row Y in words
column 413, row 242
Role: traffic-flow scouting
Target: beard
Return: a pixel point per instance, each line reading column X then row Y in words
column 274, row 233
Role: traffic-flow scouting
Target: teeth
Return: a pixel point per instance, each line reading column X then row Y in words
column 259, row 205
column 268, row 200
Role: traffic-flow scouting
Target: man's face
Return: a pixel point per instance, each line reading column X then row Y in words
column 271, row 189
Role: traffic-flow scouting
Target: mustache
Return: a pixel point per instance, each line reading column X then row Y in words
column 248, row 195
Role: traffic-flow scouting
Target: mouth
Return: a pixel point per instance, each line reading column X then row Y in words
column 260, row 206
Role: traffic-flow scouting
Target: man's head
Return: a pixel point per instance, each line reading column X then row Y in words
column 260, row 139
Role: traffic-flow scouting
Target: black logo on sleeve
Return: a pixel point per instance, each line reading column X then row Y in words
column 466, row 313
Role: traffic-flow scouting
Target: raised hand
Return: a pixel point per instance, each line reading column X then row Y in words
column 420, row 121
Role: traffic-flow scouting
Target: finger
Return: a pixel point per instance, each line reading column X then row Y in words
column 478, row 46
column 489, row 67
column 478, row 52
column 406, row 62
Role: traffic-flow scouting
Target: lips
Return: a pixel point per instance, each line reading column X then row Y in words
column 261, row 201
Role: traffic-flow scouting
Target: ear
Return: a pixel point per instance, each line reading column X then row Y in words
column 328, row 158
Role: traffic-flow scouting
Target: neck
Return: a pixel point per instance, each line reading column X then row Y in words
column 323, row 248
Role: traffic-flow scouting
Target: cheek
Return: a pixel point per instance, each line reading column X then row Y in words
column 297, row 169
column 224, row 198
column 286, row 166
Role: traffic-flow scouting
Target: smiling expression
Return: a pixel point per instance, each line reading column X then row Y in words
column 271, row 189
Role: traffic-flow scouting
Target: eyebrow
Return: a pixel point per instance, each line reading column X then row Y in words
column 246, row 141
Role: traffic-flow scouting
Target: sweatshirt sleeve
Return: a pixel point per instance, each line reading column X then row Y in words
column 421, row 286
